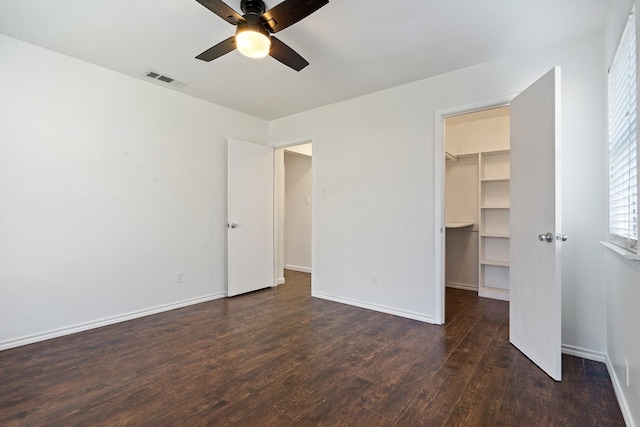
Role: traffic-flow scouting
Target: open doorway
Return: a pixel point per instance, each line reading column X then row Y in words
column 294, row 198
column 476, row 201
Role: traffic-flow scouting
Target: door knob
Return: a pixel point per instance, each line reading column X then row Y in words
column 548, row 237
column 232, row 225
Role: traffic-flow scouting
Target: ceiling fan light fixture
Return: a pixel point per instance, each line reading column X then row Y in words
column 253, row 29
column 253, row 41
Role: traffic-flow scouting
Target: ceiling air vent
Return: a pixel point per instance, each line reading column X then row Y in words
column 165, row 79
column 170, row 80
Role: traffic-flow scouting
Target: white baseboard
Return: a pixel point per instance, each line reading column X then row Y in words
column 376, row 307
column 463, row 286
column 603, row 357
column 280, row 281
column 297, row 268
column 55, row 333
column 622, row 401
column 584, row 353
column 494, row 293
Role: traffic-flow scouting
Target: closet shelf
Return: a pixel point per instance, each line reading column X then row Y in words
column 505, row 206
column 459, row 224
column 485, row 152
column 494, row 235
column 495, row 180
column 494, row 262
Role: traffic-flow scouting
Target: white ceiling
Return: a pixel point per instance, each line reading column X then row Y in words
column 354, row 47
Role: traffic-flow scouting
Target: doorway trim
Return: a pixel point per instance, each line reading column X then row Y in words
column 278, row 225
column 438, row 181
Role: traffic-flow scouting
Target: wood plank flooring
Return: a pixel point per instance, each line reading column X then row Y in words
column 278, row 357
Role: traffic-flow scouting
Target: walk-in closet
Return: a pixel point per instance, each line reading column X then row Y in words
column 477, row 202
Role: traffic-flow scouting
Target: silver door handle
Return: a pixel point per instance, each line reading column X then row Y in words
column 232, row 225
column 561, row 237
column 548, row 237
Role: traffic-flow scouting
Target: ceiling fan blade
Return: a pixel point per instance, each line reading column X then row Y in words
column 289, row 12
column 218, row 50
column 286, row 55
column 221, row 9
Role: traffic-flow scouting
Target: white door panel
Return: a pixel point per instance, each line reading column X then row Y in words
column 250, row 217
column 535, row 281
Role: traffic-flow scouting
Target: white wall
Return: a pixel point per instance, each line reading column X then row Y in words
column 623, row 318
column 109, row 186
column 298, row 202
column 461, row 190
column 461, row 205
column 623, row 277
column 374, row 157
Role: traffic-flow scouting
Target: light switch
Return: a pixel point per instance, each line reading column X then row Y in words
column 307, row 200
column 325, row 192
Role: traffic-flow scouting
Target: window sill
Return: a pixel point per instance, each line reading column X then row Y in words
column 621, row 251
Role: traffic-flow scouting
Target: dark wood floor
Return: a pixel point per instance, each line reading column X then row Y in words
column 278, row 357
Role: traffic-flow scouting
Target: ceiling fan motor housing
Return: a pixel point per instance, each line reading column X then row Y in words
column 253, row 10
column 252, row 7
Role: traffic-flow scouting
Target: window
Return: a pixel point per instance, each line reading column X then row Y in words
column 623, row 146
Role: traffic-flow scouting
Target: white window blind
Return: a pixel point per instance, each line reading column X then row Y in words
column 623, row 152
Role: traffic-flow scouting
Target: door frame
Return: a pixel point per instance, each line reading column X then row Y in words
column 439, row 182
column 278, row 217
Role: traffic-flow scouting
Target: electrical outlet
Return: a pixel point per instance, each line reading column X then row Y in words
column 626, row 372
column 375, row 281
column 179, row 277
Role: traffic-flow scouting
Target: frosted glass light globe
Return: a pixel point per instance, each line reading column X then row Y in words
column 253, row 44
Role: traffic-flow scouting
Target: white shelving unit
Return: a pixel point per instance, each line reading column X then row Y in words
column 494, row 225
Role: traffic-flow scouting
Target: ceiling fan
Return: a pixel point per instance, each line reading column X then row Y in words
column 253, row 33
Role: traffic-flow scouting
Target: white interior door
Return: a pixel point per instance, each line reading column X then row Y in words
column 535, row 283
column 249, row 217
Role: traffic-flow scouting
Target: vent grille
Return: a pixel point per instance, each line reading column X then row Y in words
column 169, row 80
column 165, row 79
